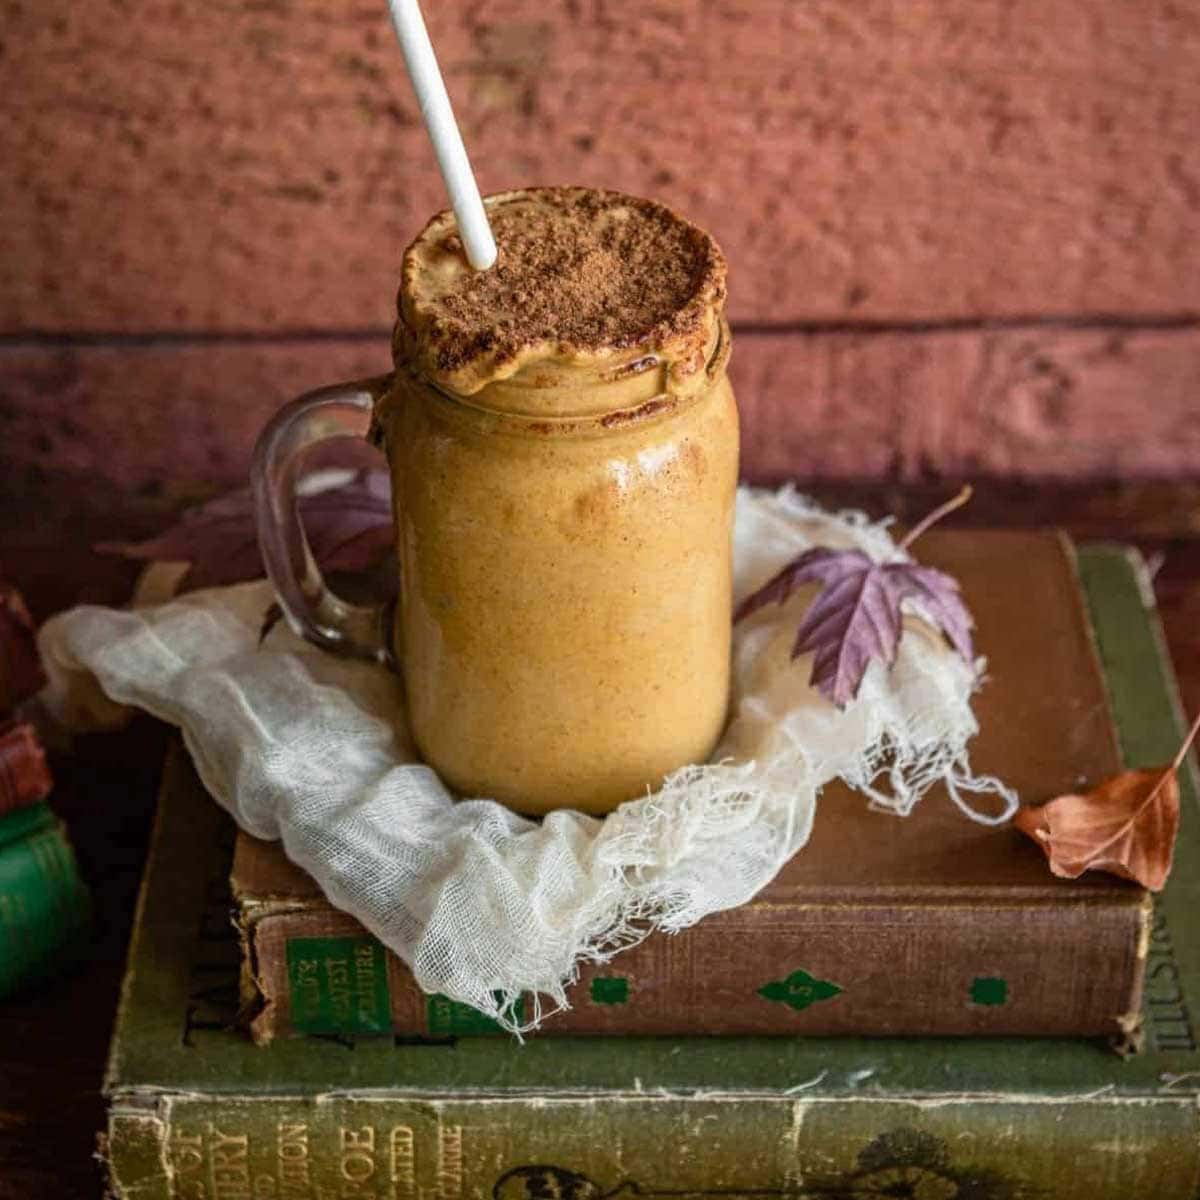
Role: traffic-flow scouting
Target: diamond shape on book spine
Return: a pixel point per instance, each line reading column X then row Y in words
column 799, row 990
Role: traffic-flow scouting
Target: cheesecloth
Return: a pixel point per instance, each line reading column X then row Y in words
column 485, row 905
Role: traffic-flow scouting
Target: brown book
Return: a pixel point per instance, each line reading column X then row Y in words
column 24, row 776
column 930, row 924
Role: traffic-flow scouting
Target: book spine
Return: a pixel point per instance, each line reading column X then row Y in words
column 1070, row 969
column 643, row 1146
column 20, row 668
column 24, row 776
column 44, row 907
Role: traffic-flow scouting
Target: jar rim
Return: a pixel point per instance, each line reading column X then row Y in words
column 641, row 407
column 518, row 315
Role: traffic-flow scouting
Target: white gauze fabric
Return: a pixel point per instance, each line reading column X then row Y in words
column 484, row 905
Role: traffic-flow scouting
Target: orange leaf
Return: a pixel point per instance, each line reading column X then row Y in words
column 1125, row 826
column 1110, row 829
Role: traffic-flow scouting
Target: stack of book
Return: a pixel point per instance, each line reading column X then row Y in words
column 822, row 1041
column 43, row 904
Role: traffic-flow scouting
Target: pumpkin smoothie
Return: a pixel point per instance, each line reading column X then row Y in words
column 563, row 443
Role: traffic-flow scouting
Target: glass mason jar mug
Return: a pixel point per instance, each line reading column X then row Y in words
column 564, row 543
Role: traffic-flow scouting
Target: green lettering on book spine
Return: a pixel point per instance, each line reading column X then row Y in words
column 449, row 1018
column 338, row 985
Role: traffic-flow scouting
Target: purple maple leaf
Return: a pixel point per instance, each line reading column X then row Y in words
column 349, row 529
column 856, row 616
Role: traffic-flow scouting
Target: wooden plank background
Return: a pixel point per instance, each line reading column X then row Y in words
column 962, row 233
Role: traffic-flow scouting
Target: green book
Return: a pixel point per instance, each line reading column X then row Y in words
column 44, row 906
column 195, row 1110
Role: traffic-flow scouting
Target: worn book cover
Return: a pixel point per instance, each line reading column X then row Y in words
column 195, row 1110
column 926, row 924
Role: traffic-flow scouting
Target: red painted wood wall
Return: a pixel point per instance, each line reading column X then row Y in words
column 963, row 233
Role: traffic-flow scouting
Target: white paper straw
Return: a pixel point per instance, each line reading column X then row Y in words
column 447, row 142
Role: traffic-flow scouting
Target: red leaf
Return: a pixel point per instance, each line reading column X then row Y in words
column 24, row 776
column 348, row 527
column 20, row 668
column 1125, row 826
column 856, row 615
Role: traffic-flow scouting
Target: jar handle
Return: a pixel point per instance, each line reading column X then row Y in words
column 311, row 609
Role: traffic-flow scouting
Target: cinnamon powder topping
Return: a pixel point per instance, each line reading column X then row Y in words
column 581, row 275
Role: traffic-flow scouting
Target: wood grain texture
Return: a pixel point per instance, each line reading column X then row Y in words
column 1031, row 402
column 153, row 420
column 258, row 164
column 139, row 428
